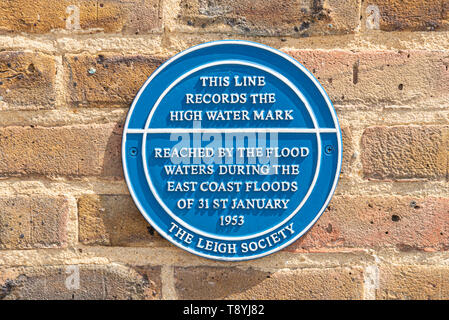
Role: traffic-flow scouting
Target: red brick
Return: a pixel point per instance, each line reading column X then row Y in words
column 33, row 222
column 379, row 77
column 405, row 152
column 82, row 150
column 403, row 223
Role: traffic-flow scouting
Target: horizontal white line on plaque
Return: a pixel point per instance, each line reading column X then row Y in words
column 233, row 130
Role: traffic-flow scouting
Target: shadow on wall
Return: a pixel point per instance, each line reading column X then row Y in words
column 236, row 283
column 112, row 161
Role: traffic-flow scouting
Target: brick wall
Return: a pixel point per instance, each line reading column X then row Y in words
column 69, row 70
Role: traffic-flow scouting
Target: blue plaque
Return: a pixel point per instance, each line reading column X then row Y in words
column 231, row 150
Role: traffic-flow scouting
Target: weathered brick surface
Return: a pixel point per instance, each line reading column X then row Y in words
column 367, row 77
column 113, row 220
column 33, row 222
column 348, row 151
column 78, row 65
column 294, row 18
column 403, row 223
column 80, row 282
column 374, row 77
column 234, row 283
column 107, row 79
column 43, row 16
column 84, row 150
column 410, row 15
column 27, row 79
column 405, row 152
column 408, row 282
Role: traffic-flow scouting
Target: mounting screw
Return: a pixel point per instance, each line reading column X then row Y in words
column 133, row 151
column 328, row 149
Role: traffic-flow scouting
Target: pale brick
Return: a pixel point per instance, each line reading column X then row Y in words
column 405, row 152
column 27, row 80
column 348, row 152
column 379, row 77
column 413, row 282
column 33, row 222
column 409, row 15
column 235, row 283
column 301, row 18
column 107, row 79
column 111, row 16
column 113, row 220
column 83, row 150
column 404, row 223
column 96, row 282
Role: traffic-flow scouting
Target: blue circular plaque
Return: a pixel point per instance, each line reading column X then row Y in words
column 231, row 150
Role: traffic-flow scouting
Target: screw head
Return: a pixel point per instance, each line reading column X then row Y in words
column 133, row 151
column 329, row 149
